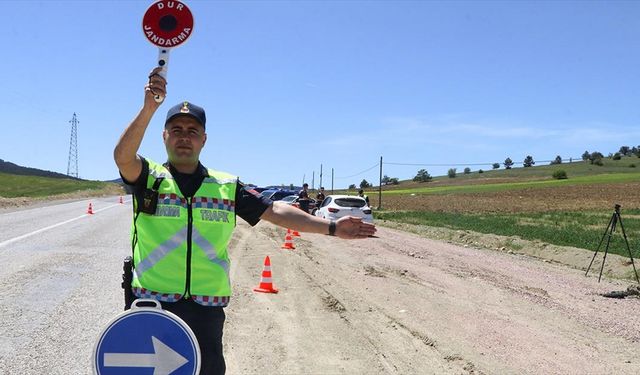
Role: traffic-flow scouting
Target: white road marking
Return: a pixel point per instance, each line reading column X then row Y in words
column 19, row 238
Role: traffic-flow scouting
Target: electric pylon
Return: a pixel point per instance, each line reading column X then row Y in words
column 72, row 166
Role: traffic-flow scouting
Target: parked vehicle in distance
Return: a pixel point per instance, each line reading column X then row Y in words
column 289, row 199
column 336, row 206
column 277, row 194
column 254, row 188
column 312, row 205
column 293, row 200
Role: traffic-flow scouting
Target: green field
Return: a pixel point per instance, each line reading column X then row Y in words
column 577, row 229
column 516, row 184
column 31, row 186
column 573, row 225
column 627, row 164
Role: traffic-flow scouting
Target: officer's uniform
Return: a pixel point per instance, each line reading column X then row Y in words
column 303, row 200
column 180, row 252
column 365, row 197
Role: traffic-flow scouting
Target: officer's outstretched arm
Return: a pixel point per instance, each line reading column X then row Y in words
column 125, row 152
column 287, row 216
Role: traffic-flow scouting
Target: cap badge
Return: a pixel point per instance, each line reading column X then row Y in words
column 185, row 107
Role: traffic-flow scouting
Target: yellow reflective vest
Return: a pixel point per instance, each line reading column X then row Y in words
column 181, row 250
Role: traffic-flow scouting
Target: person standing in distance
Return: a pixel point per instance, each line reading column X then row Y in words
column 303, row 198
column 184, row 215
column 320, row 197
column 361, row 194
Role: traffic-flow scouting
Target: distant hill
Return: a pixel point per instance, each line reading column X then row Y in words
column 11, row 168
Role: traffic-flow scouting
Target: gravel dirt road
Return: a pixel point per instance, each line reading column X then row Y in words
column 408, row 305
column 397, row 304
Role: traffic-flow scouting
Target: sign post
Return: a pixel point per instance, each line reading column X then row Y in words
column 167, row 24
column 144, row 339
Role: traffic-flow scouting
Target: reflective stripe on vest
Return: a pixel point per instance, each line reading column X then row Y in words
column 162, row 248
column 173, row 243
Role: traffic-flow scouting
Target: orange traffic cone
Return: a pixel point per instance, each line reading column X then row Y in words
column 90, row 209
column 266, row 285
column 295, row 233
column 288, row 242
column 121, row 202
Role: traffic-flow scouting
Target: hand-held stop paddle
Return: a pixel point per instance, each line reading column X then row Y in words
column 167, row 24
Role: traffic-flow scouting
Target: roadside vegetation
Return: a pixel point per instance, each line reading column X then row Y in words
column 34, row 187
column 564, row 204
column 626, row 165
column 576, row 229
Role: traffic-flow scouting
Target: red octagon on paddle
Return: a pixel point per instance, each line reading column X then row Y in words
column 167, row 23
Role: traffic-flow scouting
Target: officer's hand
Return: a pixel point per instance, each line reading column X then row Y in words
column 157, row 85
column 350, row 227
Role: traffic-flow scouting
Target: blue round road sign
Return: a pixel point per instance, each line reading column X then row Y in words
column 147, row 341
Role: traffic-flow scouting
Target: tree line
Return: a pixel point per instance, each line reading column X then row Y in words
column 594, row 157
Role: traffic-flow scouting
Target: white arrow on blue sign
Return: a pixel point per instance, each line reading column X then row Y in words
column 147, row 341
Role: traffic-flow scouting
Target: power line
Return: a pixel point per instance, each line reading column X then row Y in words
column 359, row 173
column 452, row 165
column 436, row 165
column 469, row 164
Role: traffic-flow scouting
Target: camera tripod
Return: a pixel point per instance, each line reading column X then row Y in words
column 611, row 228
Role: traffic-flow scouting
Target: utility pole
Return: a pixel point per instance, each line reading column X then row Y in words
column 313, row 180
column 380, row 186
column 72, row 165
column 320, row 176
column 331, row 180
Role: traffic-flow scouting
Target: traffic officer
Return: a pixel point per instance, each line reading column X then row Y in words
column 184, row 216
column 363, row 195
column 303, row 198
column 320, row 196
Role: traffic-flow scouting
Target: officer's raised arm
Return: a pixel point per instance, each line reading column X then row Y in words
column 125, row 152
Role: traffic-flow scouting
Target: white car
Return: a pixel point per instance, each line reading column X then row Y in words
column 334, row 207
column 289, row 199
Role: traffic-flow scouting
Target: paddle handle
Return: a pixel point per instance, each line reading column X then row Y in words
column 163, row 62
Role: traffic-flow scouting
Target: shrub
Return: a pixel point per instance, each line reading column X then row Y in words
column 596, row 158
column 528, row 161
column 617, row 156
column 508, row 163
column 632, row 165
column 480, row 171
column 467, row 170
column 451, row 173
column 422, row 176
column 560, row 174
column 557, row 160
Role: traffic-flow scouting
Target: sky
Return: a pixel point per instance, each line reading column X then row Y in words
column 290, row 86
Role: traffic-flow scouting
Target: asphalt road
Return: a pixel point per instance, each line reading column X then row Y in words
column 59, row 283
column 397, row 304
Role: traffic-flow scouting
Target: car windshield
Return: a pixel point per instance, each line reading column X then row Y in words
column 278, row 195
column 350, row 202
column 267, row 193
column 289, row 198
